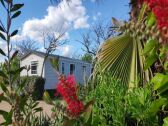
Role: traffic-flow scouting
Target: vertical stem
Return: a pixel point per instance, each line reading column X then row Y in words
column 8, row 44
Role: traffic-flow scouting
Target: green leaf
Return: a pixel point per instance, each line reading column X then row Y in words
column 2, row 36
column 4, row 88
column 149, row 61
column 88, row 110
column 16, row 7
column 149, row 46
column 2, row 74
column 1, row 29
column 7, row 116
column 39, row 109
column 142, row 11
column 165, row 121
column 69, row 122
column 122, row 57
column 151, row 19
column 55, row 63
column 159, row 80
column 14, row 55
column 2, row 2
column 155, row 106
column 14, row 33
column 16, row 14
column 47, row 98
column 2, row 52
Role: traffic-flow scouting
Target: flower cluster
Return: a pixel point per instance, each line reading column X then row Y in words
column 160, row 9
column 67, row 88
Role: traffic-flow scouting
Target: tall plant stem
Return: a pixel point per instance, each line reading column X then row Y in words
column 8, row 45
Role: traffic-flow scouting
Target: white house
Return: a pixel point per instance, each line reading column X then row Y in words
column 80, row 69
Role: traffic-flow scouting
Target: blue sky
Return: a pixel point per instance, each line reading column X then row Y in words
column 40, row 15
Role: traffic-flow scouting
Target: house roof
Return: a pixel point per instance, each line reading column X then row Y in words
column 42, row 54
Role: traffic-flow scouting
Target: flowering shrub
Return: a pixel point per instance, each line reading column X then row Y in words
column 160, row 10
column 67, row 88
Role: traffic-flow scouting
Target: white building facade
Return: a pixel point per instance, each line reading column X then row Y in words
column 80, row 69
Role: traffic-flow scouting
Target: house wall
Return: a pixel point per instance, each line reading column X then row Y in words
column 27, row 61
column 79, row 75
column 49, row 72
column 50, row 76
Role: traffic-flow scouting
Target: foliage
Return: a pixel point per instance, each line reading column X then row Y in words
column 70, row 110
column 23, row 108
column 109, row 107
column 38, row 88
column 87, row 58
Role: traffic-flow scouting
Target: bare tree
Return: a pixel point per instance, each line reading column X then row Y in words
column 26, row 45
column 51, row 41
column 98, row 33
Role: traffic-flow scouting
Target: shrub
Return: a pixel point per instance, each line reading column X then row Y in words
column 109, row 107
column 38, row 88
column 35, row 86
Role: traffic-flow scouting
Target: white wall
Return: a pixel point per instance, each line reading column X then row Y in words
column 27, row 61
column 49, row 72
column 50, row 76
column 79, row 76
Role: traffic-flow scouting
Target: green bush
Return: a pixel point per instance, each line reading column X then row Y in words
column 109, row 107
column 35, row 86
column 38, row 88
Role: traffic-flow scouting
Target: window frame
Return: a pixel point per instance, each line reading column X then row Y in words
column 34, row 64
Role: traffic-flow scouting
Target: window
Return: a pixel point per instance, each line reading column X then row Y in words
column 63, row 68
column 72, row 68
column 34, row 67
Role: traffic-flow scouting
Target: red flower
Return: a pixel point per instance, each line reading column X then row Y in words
column 67, row 88
column 160, row 9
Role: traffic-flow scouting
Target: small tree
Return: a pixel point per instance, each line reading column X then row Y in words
column 51, row 41
column 26, row 45
column 97, row 34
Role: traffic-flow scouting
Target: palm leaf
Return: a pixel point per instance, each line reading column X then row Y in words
column 121, row 56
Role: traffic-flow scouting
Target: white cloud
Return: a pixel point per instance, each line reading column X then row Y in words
column 59, row 19
column 81, row 23
column 65, row 50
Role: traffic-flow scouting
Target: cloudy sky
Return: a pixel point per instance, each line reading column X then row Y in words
column 75, row 18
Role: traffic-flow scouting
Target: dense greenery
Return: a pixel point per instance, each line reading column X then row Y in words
column 130, row 77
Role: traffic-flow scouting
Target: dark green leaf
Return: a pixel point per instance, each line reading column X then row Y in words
column 3, row 3
column 39, row 109
column 155, row 106
column 2, row 74
column 2, row 52
column 2, row 36
column 4, row 88
column 14, row 33
column 152, row 57
column 1, row 29
column 69, row 122
column 17, row 71
column 16, row 14
column 14, row 55
column 16, row 7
